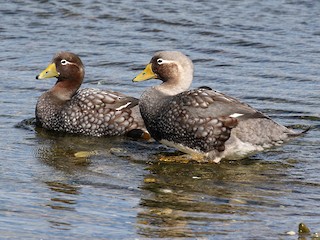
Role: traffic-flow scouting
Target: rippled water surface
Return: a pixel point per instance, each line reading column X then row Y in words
column 264, row 52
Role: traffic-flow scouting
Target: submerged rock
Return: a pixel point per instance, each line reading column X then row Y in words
column 303, row 228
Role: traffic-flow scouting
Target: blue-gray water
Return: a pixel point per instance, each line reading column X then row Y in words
column 267, row 53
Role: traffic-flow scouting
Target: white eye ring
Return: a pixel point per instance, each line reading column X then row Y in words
column 64, row 62
column 160, row 61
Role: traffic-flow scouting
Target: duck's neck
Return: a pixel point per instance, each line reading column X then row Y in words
column 65, row 89
column 177, row 85
column 159, row 96
column 150, row 102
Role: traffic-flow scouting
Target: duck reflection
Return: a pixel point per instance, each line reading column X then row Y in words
column 194, row 200
column 59, row 152
column 71, row 153
column 63, row 196
column 174, row 200
column 63, row 200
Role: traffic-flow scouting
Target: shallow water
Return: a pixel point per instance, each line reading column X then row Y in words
column 264, row 52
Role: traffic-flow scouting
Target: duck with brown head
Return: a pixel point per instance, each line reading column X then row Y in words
column 93, row 112
column 204, row 123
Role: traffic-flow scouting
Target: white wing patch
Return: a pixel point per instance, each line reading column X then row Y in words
column 123, row 106
column 235, row 115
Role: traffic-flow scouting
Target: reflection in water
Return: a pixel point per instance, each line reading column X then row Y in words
column 161, row 199
column 58, row 152
column 60, row 225
column 63, row 199
column 59, row 149
column 192, row 200
column 70, row 178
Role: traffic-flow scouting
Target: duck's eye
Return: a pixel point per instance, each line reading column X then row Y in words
column 64, row 62
column 159, row 61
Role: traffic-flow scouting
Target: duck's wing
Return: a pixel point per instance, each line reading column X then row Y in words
column 97, row 113
column 107, row 100
column 203, row 118
column 204, row 102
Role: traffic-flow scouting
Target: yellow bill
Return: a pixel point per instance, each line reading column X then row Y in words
column 146, row 74
column 49, row 72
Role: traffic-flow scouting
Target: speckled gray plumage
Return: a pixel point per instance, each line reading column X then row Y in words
column 202, row 119
column 185, row 119
column 87, row 111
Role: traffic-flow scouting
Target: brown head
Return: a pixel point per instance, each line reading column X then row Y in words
column 68, row 68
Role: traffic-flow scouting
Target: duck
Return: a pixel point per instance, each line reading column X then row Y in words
column 88, row 111
column 206, row 125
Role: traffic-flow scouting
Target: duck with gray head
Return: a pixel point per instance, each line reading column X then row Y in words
column 206, row 124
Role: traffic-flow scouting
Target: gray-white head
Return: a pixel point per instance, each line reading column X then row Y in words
column 173, row 68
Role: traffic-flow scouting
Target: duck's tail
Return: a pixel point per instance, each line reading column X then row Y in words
column 298, row 134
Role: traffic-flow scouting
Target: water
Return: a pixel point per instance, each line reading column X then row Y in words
column 264, row 52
